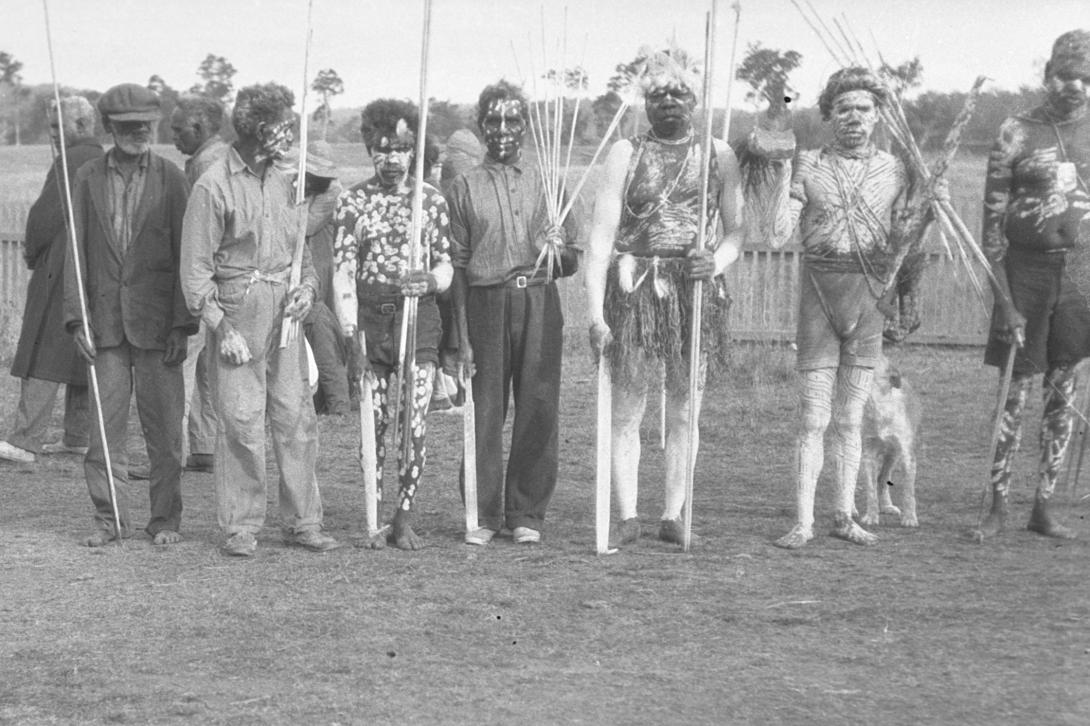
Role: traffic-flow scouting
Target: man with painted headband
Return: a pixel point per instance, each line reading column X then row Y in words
column 238, row 241
column 845, row 199
column 509, row 317
column 1036, row 236
column 641, row 267
column 372, row 279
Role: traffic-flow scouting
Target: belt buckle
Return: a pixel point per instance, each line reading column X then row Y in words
column 387, row 308
column 520, row 281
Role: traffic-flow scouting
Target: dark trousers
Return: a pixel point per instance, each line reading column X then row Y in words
column 160, row 402
column 517, row 338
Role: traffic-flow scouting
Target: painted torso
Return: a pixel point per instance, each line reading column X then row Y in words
column 1036, row 190
column 846, row 205
column 661, row 211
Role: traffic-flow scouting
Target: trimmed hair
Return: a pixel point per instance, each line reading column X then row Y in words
column 207, row 110
column 503, row 90
column 379, row 118
column 258, row 104
column 848, row 79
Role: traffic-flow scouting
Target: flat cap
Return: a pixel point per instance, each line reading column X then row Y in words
column 129, row 102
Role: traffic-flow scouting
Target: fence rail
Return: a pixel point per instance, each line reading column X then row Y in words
column 764, row 287
column 14, row 274
column 763, row 283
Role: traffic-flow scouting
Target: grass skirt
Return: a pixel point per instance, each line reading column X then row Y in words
column 652, row 321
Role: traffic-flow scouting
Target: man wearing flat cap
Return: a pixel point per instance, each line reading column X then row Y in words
column 1036, row 236
column 128, row 208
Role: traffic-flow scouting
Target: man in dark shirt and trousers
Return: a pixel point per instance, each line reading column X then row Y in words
column 46, row 357
column 128, row 208
column 509, row 318
column 196, row 123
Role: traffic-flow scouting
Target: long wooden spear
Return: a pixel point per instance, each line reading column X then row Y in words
column 289, row 327
column 706, row 151
column 70, row 223
column 417, row 243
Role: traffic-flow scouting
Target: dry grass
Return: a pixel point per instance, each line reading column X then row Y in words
column 924, row 628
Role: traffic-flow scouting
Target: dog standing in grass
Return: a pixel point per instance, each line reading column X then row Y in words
column 891, row 421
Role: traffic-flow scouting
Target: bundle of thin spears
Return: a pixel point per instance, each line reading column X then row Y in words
column 554, row 148
column 907, row 242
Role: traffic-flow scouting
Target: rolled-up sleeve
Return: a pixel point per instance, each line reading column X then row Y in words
column 202, row 230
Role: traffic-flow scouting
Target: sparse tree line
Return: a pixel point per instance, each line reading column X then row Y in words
column 766, row 71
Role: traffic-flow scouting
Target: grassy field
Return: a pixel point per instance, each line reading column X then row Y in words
column 923, row 628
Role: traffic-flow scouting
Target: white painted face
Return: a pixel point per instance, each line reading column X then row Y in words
column 1067, row 87
column 131, row 137
column 854, row 116
column 503, row 127
column 275, row 139
column 392, row 158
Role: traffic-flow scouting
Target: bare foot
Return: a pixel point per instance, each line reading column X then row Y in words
column 402, row 534
column 846, row 529
column 908, row 519
column 628, row 532
column 166, row 537
column 891, row 509
column 797, row 537
column 1043, row 522
column 870, row 519
column 671, row 530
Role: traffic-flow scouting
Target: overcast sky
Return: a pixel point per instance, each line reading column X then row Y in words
column 375, row 44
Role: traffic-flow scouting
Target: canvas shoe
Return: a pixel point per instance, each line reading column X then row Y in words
column 525, row 535
column 14, row 453
column 240, row 544
column 312, row 540
column 59, row 447
column 480, row 536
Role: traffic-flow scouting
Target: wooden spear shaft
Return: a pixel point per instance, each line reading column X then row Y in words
column 289, row 327
column 407, row 350
column 706, row 151
column 77, row 269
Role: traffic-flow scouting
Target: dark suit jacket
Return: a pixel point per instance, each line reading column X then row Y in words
column 45, row 349
column 138, row 298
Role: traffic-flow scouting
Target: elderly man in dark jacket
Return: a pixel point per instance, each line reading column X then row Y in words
column 129, row 207
column 45, row 357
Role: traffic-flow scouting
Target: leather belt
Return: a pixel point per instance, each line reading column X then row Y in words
column 520, row 281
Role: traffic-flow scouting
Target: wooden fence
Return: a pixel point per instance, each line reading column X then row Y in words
column 763, row 284
column 14, row 274
column 764, row 287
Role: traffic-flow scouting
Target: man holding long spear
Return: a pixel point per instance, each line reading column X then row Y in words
column 846, row 199
column 238, row 242
column 128, row 208
column 1036, row 207
column 641, row 269
column 372, row 281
